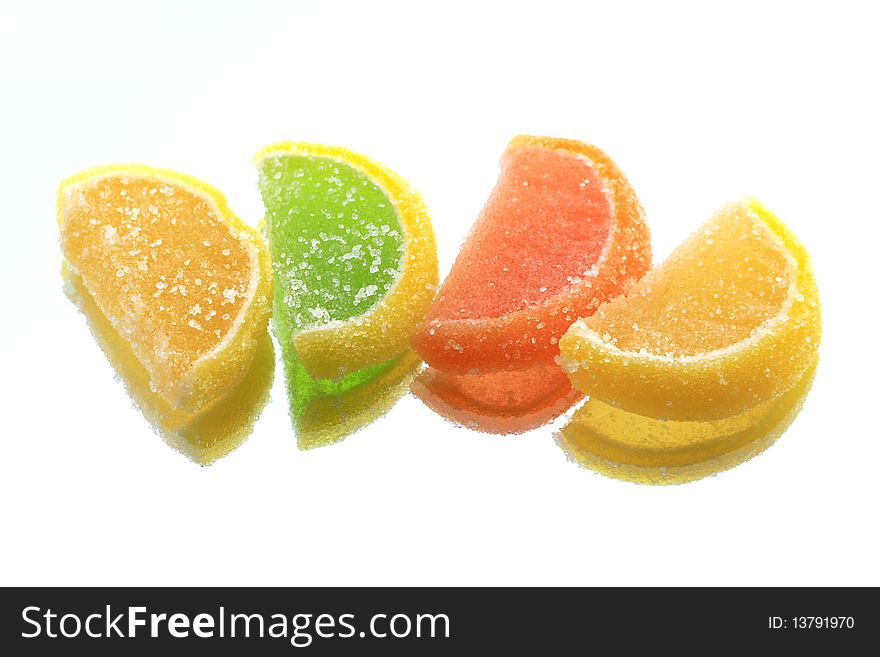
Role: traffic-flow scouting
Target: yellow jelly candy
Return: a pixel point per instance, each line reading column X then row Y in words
column 637, row 448
column 177, row 291
column 731, row 320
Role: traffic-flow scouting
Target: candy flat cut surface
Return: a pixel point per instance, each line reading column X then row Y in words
column 636, row 448
column 357, row 252
column 176, row 291
column 509, row 401
column 561, row 232
column 355, row 270
column 730, row 320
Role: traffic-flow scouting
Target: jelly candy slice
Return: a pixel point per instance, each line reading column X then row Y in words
column 356, row 252
column 637, row 448
column 355, row 271
column 561, row 232
column 705, row 362
column 730, row 320
column 176, row 290
column 508, row 401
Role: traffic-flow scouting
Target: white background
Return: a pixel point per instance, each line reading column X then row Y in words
column 697, row 103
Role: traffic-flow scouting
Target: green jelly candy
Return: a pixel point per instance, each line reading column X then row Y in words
column 336, row 245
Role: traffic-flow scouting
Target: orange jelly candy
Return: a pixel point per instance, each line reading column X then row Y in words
column 177, row 290
column 561, row 233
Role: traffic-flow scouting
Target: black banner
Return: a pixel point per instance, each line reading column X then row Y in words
column 418, row 621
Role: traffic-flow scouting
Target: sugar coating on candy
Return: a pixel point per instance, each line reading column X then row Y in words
column 715, row 289
column 544, row 226
column 355, row 270
column 177, row 291
column 561, row 232
column 642, row 449
column 336, row 240
column 730, row 320
column 507, row 401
